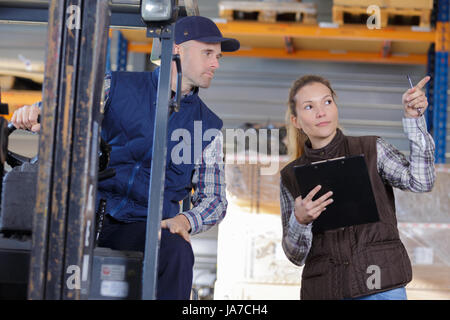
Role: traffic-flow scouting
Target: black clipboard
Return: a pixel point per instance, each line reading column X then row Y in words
column 353, row 199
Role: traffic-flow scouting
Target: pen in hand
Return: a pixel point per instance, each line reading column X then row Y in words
column 419, row 110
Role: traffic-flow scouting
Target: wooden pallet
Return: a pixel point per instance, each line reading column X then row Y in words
column 403, row 4
column 389, row 16
column 305, row 13
column 6, row 82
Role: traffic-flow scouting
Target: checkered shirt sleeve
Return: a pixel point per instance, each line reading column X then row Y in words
column 416, row 174
column 297, row 238
column 209, row 198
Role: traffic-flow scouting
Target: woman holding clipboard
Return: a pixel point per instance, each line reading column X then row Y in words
column 365, row 261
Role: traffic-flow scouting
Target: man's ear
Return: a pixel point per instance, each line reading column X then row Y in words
column 176, row 49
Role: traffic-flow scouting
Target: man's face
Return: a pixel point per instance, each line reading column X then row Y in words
column 199, row 61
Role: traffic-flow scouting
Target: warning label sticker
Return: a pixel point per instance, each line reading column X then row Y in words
column 113, row 272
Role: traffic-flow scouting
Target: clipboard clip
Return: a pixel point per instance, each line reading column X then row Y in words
column 321, row 161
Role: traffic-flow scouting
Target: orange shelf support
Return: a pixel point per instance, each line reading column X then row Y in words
column 442, row 36
column 288, row 32
column 18, row 98
column 139, row 47
column 354, row 32
column 322, row 55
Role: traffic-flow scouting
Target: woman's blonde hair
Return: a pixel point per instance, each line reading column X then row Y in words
column 296, row 138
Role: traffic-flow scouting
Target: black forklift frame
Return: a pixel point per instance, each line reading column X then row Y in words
column 64, row 218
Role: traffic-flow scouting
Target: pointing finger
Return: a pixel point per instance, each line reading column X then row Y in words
column 423, row 82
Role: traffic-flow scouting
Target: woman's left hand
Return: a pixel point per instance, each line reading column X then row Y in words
column 415, row 101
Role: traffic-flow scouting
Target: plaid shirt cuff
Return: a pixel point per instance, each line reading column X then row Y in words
column 416, row 130
column 297, row 238
column 194, row 221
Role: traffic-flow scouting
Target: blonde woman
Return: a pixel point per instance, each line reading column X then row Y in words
column 338, row 263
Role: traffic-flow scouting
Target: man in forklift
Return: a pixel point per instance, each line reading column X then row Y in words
column 128, row 125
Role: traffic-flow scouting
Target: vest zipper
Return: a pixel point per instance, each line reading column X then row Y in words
column 131, row 181
column 130, row 184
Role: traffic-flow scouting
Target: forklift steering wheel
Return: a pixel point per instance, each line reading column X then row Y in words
column 14, row 159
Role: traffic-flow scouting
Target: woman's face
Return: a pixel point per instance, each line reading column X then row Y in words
column 317, row 114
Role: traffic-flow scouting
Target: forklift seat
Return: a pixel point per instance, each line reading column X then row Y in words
column 18, row 199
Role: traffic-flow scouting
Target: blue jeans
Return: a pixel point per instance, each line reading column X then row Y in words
column 394, row 294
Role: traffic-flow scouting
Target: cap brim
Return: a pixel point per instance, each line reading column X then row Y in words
column 227, row 44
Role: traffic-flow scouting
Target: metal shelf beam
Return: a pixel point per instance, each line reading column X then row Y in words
column 347, row 32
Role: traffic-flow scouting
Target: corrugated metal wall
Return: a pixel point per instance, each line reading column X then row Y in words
column 369, row 95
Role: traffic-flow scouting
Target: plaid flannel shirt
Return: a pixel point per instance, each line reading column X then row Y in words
column 416, row 174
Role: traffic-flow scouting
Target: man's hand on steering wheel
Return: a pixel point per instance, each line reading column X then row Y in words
column 26, row 118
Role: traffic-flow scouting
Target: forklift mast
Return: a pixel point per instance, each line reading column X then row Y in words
column 64, row 217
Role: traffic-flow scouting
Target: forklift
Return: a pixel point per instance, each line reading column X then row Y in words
column 48, row 216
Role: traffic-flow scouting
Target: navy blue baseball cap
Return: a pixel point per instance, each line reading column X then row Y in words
column 204, row 30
